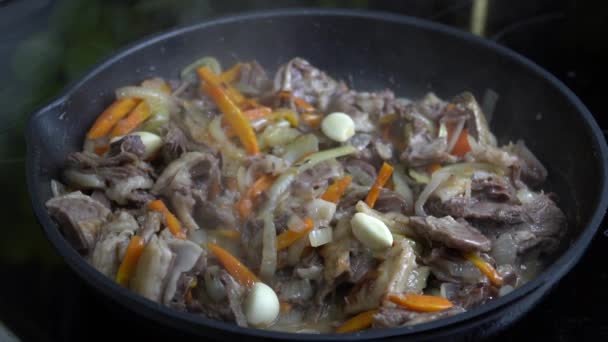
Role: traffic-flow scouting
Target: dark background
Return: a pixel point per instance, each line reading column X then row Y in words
column 46, row 44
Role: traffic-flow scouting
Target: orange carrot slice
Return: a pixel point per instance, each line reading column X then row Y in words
column 110, row 117
column 421, row 303
column 385, row 173
column 129, row 262
column 335, row 191
column 485, row 268
column 359, row 322
column 288, row 237
column 240, row 272
column 171, row 221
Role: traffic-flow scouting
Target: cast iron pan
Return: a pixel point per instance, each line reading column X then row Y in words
column 370, row 51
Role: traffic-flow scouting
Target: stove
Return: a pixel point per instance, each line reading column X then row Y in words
column 46, row 44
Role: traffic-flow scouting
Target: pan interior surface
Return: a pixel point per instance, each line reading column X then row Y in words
column 368, row 52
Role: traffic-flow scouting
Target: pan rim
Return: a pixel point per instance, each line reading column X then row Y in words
column 551, row 274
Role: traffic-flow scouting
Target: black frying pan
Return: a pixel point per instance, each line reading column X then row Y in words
column 371, row 51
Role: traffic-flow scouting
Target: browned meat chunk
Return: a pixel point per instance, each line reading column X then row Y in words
column 452, row 233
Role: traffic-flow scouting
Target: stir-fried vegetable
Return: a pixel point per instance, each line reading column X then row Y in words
column 135, row 118
column 290, row 236
column 336, row 190
column 231, row 74
column 171, row 221
column 312, row 120
column 189, row 72
column 245, row 204
column 257, row 113
column 359, row 322
column 298, row 101
column 279, row 209
column 485, row 268
column 237, row 270
column 111, row 116
column 421, row 303
column 385, row 173
column 127, row 266
column 232, row 112
column 316, row 158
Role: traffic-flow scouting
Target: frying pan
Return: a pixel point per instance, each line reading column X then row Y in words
column 370, row 51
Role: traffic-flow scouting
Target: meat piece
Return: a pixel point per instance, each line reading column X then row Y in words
column 430, row 106
column 152, row 269
column 215, row 216
column 101, row 197
column 452, row 233
column 452, row 267
column 105, row 256
column 390, row 201
column 423, row 150
column 193, row 171
column 306, row 82
column 187, row 253
column 183, row 205
column 477, row 125
column 79, row 217
column 236, row 294
column 475, row 210
column 253, row 80
column 471, row 295
column 307, row 182
column 123, row 181
column 392, row 317
column 492, row 155
column 129, row 144
column 489, row 187
column 363, row 107
column 363, row 173
column 532, row 170
column 175, row 143
column 394, row 275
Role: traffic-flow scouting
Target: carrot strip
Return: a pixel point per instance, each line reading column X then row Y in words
column 136, row 117
column 232, row 113
column 433, row 167
column 298, row 101
column 387, row 119
column 110, row 117
column 485, row 268
column 231, row 74
column 359, row 322
column 288, row 115
column 127, row 266
column 462, row 144
column 245, row 203
column 240, row 272
column 284, row 307
column 421, row 303
column 288, row 237
column 335, row 191
column 170, row 220
column 100, row 150
column 385, row 173
column 229, row 233
column 256, row 113
column 312, row 120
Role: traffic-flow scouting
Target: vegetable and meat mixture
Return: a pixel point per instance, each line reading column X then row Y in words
column 295, row 203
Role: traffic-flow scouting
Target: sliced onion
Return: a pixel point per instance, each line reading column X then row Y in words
column 301, row 146
column 189, row 72
column 161, row 104
column 437, row 179
column 269, row 249
column 277, row 189
column 319, row 237
column 322, row 156
column 217, row 132
column 198, row 236
column 402, row 187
